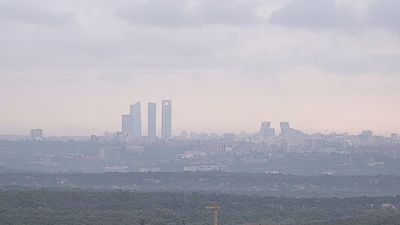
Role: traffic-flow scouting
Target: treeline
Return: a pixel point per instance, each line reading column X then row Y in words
column 76, row 207
column 219, row 182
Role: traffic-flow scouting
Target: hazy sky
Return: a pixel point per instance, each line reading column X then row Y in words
column 72, row 67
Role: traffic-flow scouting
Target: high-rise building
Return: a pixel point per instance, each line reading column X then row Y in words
column 36, row 134
column 136, row 119
column 127, row 124
column 266, row 130
column 285, row 129
column 166, row 123
column 151, row 120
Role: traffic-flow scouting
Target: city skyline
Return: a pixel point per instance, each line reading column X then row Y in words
column 131, row 124
column 274, row 125
column 283, row 129
column 135, row 126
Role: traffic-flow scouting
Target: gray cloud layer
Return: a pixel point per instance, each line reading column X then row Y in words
column 26, row 12
column 191, row 13
column 232, row 36
column 184, row 13
column 385, row 13
column 327, row 14
column 310, row 13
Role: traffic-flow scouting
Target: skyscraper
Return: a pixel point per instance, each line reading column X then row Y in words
column 285, row 129
column 136, row 119
column 151, row 120
column 166, row 123
column 266, row 130
column 127, row 124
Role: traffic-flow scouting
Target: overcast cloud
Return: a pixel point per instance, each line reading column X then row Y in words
column 385, row 13
column 325, row 14
column 142, row 49
column 184, row 13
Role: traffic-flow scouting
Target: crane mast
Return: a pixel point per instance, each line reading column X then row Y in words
column 214, row 208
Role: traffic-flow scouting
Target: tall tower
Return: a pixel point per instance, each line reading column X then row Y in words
column 266, row 131
column 166, row 123
column 136, row 119
column 285, row 129
column 151, row 120
column 214, row 207
column 127, row 124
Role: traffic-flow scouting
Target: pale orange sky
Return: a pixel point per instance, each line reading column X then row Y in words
column 73, row 68
column 310, row 100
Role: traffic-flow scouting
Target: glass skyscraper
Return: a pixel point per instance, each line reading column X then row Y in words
column 135, row 113
column 166, row 123
column 151, row 120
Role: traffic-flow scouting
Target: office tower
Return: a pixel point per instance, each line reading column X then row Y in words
column 136, row 119
column 166, row 123
column 266, row 130
column 127, row 124
column 285, row 129
column 36, row 134
column 151, row 120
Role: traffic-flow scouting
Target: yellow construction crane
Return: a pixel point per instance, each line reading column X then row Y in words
column 214, row 208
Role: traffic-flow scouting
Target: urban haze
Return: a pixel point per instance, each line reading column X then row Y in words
column 199, row 112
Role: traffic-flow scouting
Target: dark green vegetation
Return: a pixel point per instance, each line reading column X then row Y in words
column 218, row 182
column 76, row 207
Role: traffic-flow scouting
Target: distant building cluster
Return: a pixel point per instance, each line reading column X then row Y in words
column 36, row 134
column 265, row 150
column 286, row 131
column 132, row 122
column 287, row 150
